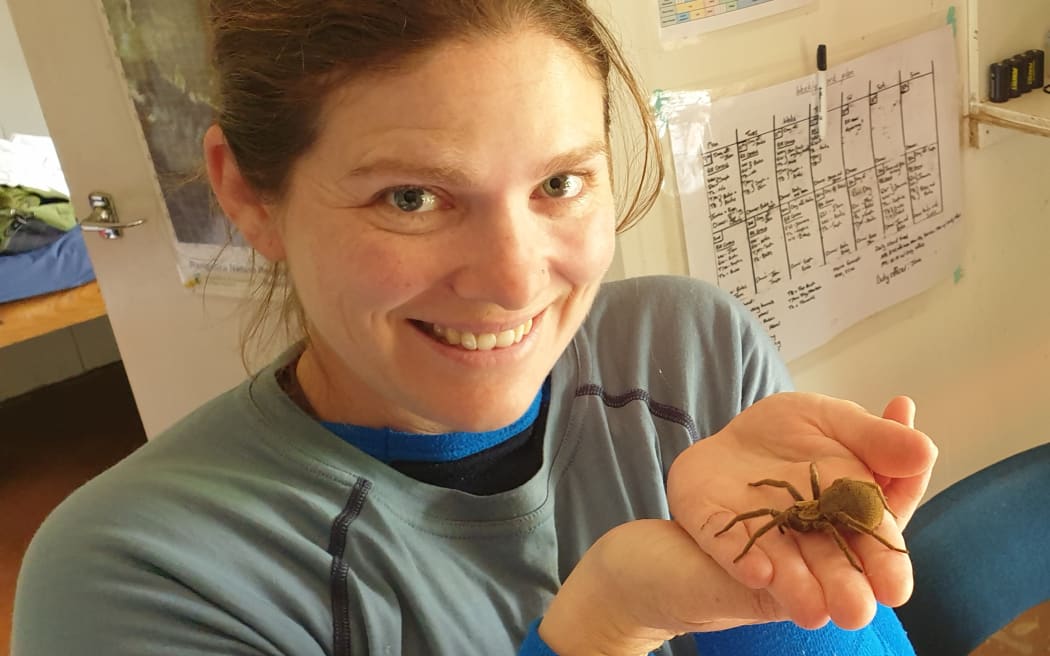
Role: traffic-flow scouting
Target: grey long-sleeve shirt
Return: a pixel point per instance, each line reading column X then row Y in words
column 248, row 528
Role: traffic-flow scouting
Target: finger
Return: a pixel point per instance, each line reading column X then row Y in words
column 900, row 409
column 848, row 595
column 754, row 569
column 888, row 571
column 905, row 494
column 886, row 447
column 773, row 562
column 794, row 586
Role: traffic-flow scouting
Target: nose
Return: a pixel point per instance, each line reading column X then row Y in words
column 506, row 258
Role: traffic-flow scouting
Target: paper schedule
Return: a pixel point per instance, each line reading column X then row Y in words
column 816, row 234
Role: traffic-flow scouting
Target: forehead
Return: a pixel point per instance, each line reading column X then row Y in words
column 524, row 91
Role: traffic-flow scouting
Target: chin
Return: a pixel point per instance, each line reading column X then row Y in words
column 482, row 414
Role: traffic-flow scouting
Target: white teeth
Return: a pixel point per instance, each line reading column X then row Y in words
column 486, row 342
column 504, row 339
column 468, row 341
column 482, row 341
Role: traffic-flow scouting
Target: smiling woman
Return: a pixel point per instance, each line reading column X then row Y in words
column 487, row 243
column 476, row 447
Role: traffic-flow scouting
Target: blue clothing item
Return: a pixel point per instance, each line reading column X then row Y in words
column 884, row 636
column 388, row 445
column 533, row 645
column 61, row 265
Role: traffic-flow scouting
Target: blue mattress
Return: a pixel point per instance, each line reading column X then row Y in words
column 63, row 264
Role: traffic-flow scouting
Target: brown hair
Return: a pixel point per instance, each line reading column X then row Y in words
column 275, row 62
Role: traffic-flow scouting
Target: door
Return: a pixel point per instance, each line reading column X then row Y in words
column 178, row 350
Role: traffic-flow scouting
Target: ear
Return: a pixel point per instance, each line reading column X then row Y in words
column 253, row 218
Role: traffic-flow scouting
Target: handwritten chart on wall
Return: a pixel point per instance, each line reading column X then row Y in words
column 685, row 18
column 814, row 235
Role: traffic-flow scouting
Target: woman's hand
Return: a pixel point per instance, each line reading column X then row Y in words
column 806, row 574
column 641, row 584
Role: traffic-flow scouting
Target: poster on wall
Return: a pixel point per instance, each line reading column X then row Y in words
column 162, row 48
column 681, row 19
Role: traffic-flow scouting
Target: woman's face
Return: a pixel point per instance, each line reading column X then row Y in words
column 447, row 234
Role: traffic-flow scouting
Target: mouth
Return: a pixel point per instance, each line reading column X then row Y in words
column 469, row 341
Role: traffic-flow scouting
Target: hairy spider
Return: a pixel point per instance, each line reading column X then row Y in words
column 846, row 503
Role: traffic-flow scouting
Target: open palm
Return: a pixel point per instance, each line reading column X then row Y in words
column 777, row 438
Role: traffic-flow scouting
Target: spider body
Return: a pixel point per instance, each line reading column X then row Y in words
column 845, row 504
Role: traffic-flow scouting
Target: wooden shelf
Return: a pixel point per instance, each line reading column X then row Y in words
column 28, row 318
column 994, row 35
column 1030, row 113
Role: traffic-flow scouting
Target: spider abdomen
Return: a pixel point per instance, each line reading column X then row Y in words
column 858, row 499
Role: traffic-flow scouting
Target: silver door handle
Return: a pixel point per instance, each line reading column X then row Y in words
column 103, row 218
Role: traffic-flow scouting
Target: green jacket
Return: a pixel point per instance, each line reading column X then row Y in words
column 26, row 203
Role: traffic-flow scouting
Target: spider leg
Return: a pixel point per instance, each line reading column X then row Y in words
column 843, row 518
column 748, row 515
column 778, row 519
column 828, row 526
column 784, row 484
column 814, row 480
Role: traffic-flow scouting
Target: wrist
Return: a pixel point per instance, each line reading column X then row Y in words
column 570, row 635
column 596, row 611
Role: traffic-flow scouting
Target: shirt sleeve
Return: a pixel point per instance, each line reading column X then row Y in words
column 79, row 598
column 884, row 636
column 93, row 583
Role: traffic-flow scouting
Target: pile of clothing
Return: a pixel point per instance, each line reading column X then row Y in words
column 32, row 218
column 41, row 246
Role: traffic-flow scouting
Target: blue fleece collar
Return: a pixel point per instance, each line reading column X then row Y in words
column 389, row 445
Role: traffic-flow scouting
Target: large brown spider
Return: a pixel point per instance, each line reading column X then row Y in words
column 846, row 503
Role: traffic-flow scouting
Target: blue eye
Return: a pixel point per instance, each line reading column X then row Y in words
column 412, row 199
column 563, row 186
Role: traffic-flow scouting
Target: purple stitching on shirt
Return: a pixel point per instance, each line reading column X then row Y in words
column 341, row 569
column 661, row 410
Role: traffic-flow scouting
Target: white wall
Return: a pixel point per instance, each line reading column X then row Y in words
column 20, row 110
column 63, row 353
column 974, row 354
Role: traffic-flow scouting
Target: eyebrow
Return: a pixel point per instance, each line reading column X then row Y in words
column 577, row 156
column 454, row 176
